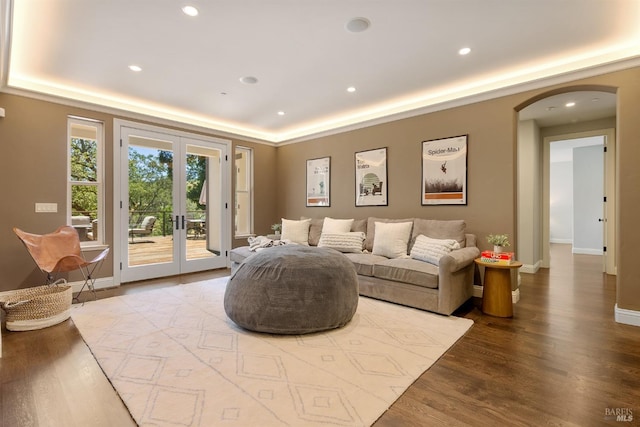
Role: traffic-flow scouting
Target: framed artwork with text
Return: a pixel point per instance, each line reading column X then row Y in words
column 371, row 177
column 444, row 171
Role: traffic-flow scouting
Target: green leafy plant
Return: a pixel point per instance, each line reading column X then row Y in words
column 276, row 227
column 499, row 239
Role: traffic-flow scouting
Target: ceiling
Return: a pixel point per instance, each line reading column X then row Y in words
column 570, row 107
column 304, row 58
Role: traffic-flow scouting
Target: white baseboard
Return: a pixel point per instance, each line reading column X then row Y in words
column 530, row 268
column 477, row 292
column 586, row 251
column 563, row 241
column 628, row 317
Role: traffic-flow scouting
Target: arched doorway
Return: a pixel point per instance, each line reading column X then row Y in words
column 543, row 120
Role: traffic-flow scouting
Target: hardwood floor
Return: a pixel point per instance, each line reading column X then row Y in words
column 561, row 360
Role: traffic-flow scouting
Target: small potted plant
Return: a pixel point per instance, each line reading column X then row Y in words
column 498, row 241
column 276, row 228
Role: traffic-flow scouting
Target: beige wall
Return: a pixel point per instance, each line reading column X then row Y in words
column 491, row 155
column 492, row 129
column 33, row 136
column 34, row 169
column 34, row 143
column 529, row 195
column 628, row 195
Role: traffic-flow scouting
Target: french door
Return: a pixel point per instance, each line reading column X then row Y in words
column 173, row 211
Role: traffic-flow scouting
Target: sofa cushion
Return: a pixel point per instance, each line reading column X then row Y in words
column 296, row 231
column 431, row 250
column 315, row 229
column 392, row 239
column 331, row 225
column 240, row 254
column 342, row 242
column 439, row 229
column 407, row 270
column 359, row 225
column 371, row 229
column 364, row 262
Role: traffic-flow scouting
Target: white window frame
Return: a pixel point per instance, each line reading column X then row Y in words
column 99, row 184
column 249, row 190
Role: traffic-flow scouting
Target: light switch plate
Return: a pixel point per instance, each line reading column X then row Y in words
column 47, row 207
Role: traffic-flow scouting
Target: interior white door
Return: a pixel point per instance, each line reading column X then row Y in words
column 174, row 204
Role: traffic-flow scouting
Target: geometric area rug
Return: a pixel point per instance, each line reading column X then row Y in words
column 175, row 359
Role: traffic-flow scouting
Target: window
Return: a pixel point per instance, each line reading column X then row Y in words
column 85, row 207
column 244, row 189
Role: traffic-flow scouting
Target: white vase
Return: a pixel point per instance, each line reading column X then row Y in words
column 497, row 249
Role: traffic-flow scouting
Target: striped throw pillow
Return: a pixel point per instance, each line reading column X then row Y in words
column 344, row 242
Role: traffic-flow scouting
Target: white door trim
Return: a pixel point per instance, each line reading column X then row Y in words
column 610, row 191
column 118, row 124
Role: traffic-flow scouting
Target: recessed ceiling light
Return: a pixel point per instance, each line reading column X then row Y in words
column 464, row 51
column 190, row 10
column 135, row 68
column 357, row 25
column 351, row 89
column 249, row 80
column 570, row 104
column 281, row 113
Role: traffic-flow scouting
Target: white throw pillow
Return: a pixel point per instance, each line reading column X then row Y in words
column 391, row 239
column 350, row 242
column 296, row 231
column 431, row 250
column 333, row 226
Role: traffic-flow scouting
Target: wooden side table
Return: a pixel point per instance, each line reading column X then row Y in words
column 496, row 294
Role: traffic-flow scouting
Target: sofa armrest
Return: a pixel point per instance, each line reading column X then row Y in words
column 458, row 259
column 455, row 278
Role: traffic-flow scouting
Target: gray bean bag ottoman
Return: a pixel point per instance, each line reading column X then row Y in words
column 292, row 289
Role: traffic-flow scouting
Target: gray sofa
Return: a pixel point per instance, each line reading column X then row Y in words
column 438, row 288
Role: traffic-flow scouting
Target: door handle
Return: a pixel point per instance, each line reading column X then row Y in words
column 183, row 222
column 177, row 223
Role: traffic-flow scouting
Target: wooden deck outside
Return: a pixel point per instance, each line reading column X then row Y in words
column 158, row 249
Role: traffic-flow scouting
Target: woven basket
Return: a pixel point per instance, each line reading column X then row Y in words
column 37, row 308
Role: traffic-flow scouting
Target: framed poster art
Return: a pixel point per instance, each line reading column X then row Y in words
column 371, row 178
column 319, row 182
column 444, row 171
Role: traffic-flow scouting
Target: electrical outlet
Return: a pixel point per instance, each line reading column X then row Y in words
column 46, row 207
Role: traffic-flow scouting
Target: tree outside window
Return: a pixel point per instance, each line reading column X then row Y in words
column 85, row 179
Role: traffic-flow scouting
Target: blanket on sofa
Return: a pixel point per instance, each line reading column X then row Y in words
column 260, row 242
